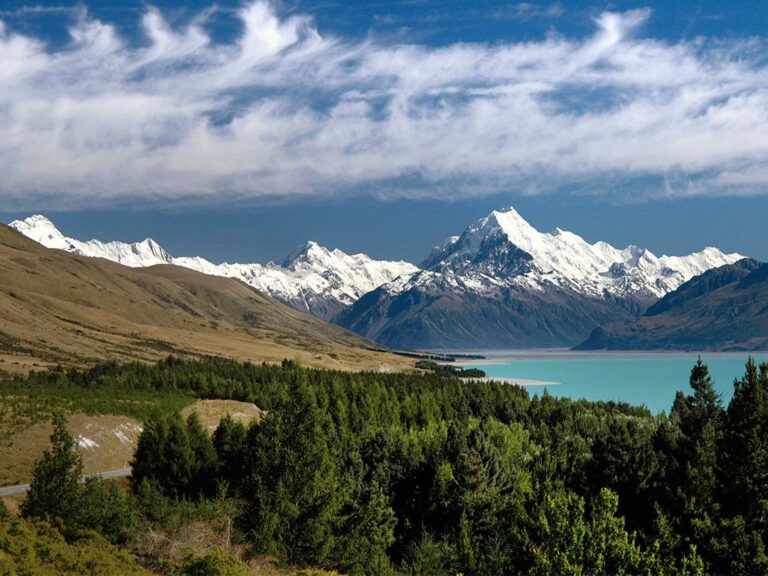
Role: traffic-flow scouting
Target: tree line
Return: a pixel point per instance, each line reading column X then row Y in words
column 371, row 473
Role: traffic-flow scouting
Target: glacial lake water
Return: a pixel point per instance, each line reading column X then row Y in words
column 649, row 379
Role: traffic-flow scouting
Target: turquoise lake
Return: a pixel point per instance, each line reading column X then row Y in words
column 638, row 378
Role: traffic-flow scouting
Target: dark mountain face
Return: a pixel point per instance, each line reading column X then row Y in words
column 722, row 309
column 703, row 284
column 440, row 314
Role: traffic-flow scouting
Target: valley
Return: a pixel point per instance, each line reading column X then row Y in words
column 392, row 288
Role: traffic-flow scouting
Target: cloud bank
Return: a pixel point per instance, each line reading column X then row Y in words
column 282, row 111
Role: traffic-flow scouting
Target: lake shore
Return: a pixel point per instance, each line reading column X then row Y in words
column 646, row 379
column 515, row 381
column 497, row 357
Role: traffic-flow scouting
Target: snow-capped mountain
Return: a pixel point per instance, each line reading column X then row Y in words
column 136, row 255
column 503, row 248
column 312, row 278
column 503, row 283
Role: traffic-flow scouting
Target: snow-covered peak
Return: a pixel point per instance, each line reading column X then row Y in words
column 137, row 254
column 517, row 230
column 306, row 252
column 503, row 248
column 42, row 230
column 312, row 278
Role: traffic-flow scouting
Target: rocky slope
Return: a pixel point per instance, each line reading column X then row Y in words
column 722, row 309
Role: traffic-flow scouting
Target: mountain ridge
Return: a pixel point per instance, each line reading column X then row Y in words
column 500, row 283
column 725, row 308
column 311, row 278
column 58, row 307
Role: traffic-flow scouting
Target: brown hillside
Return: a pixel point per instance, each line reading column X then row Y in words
column 60, row 308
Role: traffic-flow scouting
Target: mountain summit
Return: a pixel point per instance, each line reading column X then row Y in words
column 312, row 278
column 504, row 247
column 502, row 283
column 136, row 255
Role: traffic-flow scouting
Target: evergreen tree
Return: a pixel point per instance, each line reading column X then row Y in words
column 560, row 547
column 365, row 535
column 54, row 492
column 178, row 460
column 204, row 459
column 571, row 544
column 291, row 484
column 105, row 508
column 745, row 447
column 175, row 456
column 148, row 464
column 701, row 427
column 609, row 548
column 229, row 444
column 705, row 397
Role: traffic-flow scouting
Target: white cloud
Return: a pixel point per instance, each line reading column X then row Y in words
column 282, row 111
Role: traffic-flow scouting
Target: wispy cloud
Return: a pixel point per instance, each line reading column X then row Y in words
column 283, row 112
column 36, row 10
column 528, row 11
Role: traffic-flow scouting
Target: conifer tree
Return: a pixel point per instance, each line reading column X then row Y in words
column 148, row 464
column 204, row 460
column 54, row 493
column 744, row 469
column 229, row 444
column 366, row 534
column 701, row 426
column 291, row 484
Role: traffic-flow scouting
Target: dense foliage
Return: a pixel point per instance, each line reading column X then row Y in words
column 374, row 473
column 448, row 370
column 36, row 548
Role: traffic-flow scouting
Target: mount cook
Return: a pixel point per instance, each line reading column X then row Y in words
column 501, row 283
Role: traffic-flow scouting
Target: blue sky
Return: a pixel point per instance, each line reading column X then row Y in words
column 238, row 130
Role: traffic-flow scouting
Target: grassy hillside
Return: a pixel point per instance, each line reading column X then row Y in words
column 60, row 308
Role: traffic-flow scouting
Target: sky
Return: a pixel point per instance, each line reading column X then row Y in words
column 238, row 130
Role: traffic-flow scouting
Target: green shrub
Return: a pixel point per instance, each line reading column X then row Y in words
column 215, row 563
column 36, row 548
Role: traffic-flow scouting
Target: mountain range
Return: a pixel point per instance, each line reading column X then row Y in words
column 722, row 309
column 501, row 283
column 504, row 284
column 57, row 307
column 312, row 278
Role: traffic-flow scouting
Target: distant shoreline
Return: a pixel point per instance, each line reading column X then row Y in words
column 495, row 357
column 515, row 381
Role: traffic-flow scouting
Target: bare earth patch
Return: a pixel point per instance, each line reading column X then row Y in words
column 211, row 412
